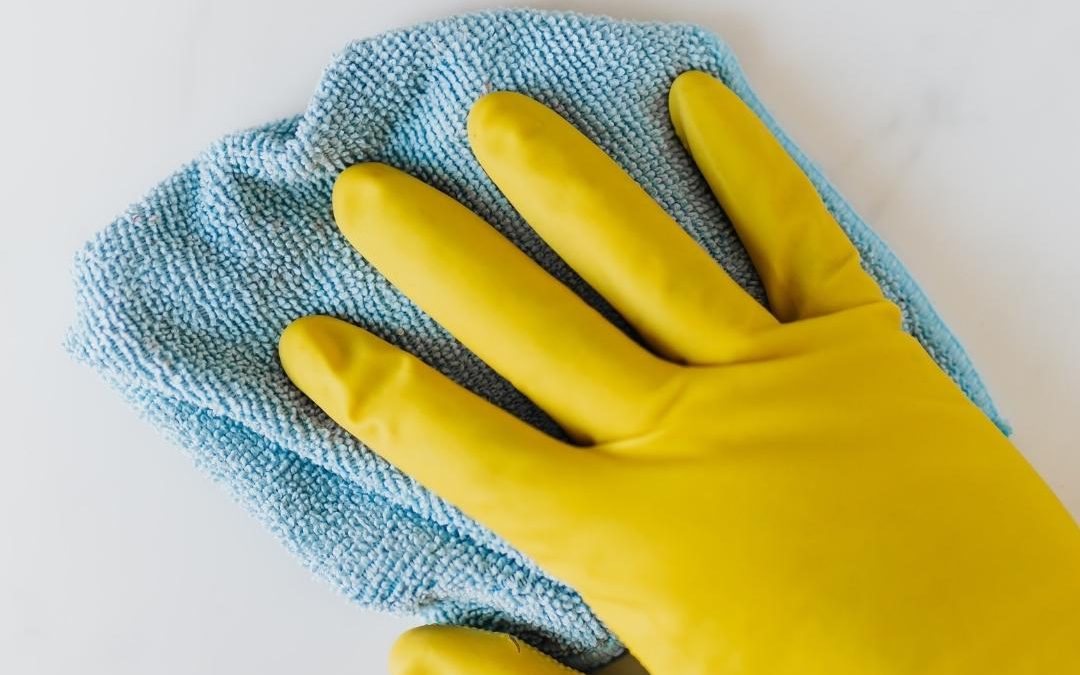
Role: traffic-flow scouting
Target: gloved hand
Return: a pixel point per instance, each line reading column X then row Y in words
column 793, row 490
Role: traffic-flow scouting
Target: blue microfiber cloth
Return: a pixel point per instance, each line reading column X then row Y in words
column 182, row 298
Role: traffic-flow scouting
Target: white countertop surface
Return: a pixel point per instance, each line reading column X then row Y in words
column 951, row 125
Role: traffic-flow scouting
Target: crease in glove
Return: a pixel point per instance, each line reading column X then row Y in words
column 181, row 300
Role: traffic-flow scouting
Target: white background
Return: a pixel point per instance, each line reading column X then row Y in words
column 952, row 126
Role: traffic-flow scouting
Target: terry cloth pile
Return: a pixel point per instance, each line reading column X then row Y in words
column 182, row 298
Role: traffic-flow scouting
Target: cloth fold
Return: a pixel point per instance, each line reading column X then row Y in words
column 182, row 298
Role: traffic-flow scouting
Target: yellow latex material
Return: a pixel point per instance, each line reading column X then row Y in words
column 455, row 650
column 451, row 650
column 794, row 491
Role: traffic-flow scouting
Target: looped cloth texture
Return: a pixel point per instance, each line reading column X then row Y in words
column 182, row 298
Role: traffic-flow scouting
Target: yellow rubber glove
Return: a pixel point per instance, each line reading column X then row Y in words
column 456, row 650
column 800, row 490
